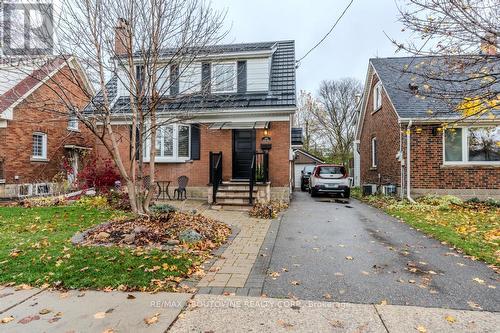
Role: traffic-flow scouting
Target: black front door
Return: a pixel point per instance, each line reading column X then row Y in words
column 243, row 151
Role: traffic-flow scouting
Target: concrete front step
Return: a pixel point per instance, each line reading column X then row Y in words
column 232, row 194
column 231, row 207
column 232, row 201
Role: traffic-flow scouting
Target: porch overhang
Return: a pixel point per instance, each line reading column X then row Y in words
column 240, row 125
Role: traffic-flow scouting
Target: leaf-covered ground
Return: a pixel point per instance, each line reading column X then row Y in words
column 35, row 249
column 473, row 228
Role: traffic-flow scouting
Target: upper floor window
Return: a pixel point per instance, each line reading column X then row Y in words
column 73, row 122
column 474, row 145
column 163, row 80
column 374, row 152
column 377, row 96
column 224, row 78
column 39, row 146
column 172, row 143
column 190, row 78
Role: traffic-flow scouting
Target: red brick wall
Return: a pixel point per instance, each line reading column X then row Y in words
column 43, row 111
column 428, row 172
column 382, row 124
column 215, row 141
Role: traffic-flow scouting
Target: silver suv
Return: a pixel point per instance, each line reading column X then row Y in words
column 330, row 178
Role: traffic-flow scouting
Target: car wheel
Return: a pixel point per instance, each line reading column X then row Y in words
column 347, row 194
column 314, row 193
column 303, row 188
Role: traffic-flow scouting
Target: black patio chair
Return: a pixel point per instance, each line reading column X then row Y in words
column 182, row 181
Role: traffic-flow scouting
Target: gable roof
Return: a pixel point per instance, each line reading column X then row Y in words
column 281, row 84
column 396, row 75
column 309, row 155
column 21, row 77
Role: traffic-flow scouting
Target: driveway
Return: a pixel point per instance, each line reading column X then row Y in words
column 326, row 250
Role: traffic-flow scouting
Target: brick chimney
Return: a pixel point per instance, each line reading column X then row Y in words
column 121, row 37
column 489, row 44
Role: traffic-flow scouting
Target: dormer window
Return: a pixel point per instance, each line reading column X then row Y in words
column 377, row 96
column 224, row 77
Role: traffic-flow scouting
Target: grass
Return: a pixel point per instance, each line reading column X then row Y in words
column 473, row 228
column 35, row 249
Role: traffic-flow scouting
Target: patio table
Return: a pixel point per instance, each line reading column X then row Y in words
column 163, row 189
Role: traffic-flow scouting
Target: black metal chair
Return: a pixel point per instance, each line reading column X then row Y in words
column 182, row 181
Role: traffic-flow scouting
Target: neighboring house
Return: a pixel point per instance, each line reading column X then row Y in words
column 303, row 159
column 37, row 132
column 401, row 139
column 240, row 98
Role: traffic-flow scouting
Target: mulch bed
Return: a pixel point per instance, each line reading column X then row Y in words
column 160, row 231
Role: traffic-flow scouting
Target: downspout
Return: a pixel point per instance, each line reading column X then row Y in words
column 408, row 162
column 401, row 162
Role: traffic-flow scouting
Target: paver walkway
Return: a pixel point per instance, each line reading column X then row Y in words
column 231, row 271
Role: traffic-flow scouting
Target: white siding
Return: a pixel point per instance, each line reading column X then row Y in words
column 190, row 80
column 258, row 71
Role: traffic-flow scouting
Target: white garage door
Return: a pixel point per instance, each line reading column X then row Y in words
column 298, row 169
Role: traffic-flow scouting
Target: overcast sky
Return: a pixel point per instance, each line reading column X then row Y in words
column 345, row 53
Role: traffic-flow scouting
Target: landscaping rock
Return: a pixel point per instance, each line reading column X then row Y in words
column 138, row 230
column 77, row 238
column 102, row 236
column 129, row 238
column 190, row 236
column 172, row 242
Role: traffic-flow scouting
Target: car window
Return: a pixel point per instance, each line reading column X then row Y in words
column 331, row 170
column 308, row 168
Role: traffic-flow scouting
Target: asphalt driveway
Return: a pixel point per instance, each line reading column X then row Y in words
column 326, row 250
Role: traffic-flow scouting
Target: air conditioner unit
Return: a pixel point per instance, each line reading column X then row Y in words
column 389, row 190
column 369, row 189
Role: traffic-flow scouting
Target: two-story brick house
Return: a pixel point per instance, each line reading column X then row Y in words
column 425, row 144
column 240, row 99
column 38, row 133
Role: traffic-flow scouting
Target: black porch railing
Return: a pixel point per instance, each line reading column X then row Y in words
column 215, row 173
column 259, row 171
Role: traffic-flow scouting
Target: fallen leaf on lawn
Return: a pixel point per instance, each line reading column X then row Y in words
column 327, row 296
column 23, row 287
column 28, row 319
column 284, row 324
column 349, row 258
column 474, row 305
column 152, row 320
column 478, row 280
column 44, row 311
column 100, row 315
column 450, row 319
column 421, row 329
column 84, row 269
column 6, row 320
column 295, row 282
column 129, row 296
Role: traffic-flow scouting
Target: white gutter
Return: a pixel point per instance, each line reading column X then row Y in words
column 408, row 155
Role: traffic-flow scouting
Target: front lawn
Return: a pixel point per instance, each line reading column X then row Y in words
column 35, row 249
column 472, row 227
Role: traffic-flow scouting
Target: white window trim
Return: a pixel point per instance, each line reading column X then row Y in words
column 374, row 164
column 465, row 150
column 44, row 147
column 235, row 79
column 175, row 153
column 194, row 87
column 377, row 96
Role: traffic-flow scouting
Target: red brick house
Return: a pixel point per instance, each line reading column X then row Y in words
column 424, row 144
column 37, row 131
column 241, row 99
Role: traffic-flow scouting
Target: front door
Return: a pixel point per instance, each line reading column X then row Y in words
column 243, row 151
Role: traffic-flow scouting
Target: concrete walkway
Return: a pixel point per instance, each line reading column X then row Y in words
column 210, row 313
column 37, row 310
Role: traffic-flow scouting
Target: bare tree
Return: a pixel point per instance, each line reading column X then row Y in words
column 465, row 33
column 336, row 115
column 304, row 118
column 136, row 53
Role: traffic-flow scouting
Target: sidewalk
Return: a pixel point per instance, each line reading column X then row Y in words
column 210, row 313
column 38, row 310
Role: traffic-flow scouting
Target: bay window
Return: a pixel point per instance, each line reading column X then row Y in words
column 472, row 145
column 172, row 144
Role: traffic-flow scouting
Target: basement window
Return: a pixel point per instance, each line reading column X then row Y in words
column 472, row 145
